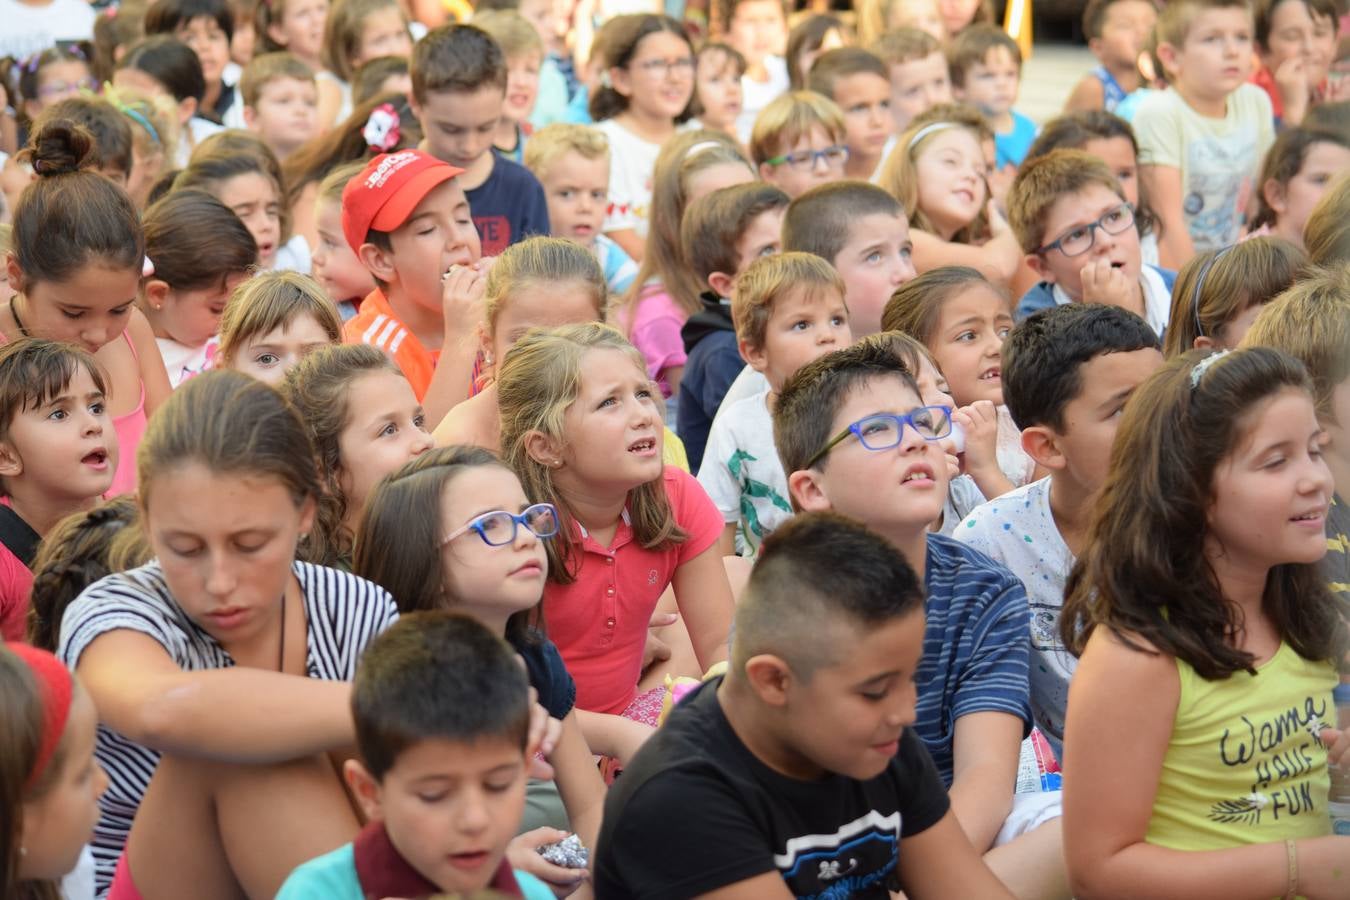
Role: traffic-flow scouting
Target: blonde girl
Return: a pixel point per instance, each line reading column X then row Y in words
column 272, row 322
column 355, row 32
column 665, row 293
column 453, row 530
column 154, row 138
column 962, row 318
column 581, row 426
column 364, row 422
column 939, row 172
column 76, row 260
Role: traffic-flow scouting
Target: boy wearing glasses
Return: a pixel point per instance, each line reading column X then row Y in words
column 799, row 142
column 1078, row 232
column 855, row 438
column 459, row 87
column 787, row 309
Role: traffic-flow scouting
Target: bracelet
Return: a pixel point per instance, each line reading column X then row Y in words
column 1292, row 850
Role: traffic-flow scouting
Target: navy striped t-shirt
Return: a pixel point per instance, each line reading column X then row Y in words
column 976, row 645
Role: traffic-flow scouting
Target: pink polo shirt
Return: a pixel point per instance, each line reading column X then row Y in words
column 599, row 622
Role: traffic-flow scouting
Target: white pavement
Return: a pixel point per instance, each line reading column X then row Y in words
column 1049, row 76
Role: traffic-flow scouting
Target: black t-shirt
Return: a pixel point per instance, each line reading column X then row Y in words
column 696, row 811
column 548, row 675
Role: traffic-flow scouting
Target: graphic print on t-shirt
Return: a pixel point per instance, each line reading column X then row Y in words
column 857, row 861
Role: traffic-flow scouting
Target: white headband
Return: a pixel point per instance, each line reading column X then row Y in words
column 928, row 129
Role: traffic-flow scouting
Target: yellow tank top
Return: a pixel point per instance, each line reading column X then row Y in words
column 673, row 452
column 1244, row 765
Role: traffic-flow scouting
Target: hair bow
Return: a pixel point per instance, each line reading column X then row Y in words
column 382, row 128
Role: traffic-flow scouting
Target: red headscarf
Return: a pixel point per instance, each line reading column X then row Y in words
column 55, row 687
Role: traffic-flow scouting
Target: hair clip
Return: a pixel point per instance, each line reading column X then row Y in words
column 928, row 129
column 1199, row 285
column 142, row 120
column 29, row 65
column 147, row 268
column 699, row 148
column 37, row 166
column 605, row 81
column 382, row 128
column 1203, row 366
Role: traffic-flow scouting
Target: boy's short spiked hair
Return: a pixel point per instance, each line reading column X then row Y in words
column 804, row 415
column 767, row 281
column 1043, row 181
column 714, row 223
column 552, row 142
column 971, row 47
column 1175, row 18
column 512, row 32
column 821, row 220
column 1044, row 356
column 436, row 675
column 790, row 117
column 820, row 571
column 456, row 58
column 841, row 63
column 902, row 45
column 265, row 68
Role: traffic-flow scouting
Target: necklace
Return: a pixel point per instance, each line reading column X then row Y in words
column 281, row 651
column 14, row 311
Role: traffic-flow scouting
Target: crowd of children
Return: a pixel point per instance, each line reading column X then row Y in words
column 726, row 448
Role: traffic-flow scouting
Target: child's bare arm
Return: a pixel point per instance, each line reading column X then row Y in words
column 235, row 714
column 1163, row 185
column 985, row 746
column 939, row 863
column 611, row 735
column 703, row 595
column 997, row 258
column 579, row 782
column 154, row 376
column 1087, row 94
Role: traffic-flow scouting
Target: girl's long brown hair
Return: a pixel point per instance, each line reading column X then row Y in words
column 1145, row 574
column 539, row 380
column 20, row 739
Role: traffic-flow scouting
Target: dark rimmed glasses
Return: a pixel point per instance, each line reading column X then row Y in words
column 1079, row 240
column 500, row 527
column 883, row 431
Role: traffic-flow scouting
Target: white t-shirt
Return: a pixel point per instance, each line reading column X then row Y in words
column 200, row 129
column 632, row 161
column 1157, row 298
column 1018, row 530
column 755, row 95
column 1217, row 158
column 742, row 473
column 344, row 91
column 183, row 362
column 293, row 256
column 28, row 30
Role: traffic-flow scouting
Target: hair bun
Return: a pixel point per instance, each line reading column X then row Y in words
column 61, row 147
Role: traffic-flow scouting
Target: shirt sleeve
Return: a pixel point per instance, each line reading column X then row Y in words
column 924, row 795
column 1159, row 131
column 694, row 511
column 714, row 475
column 111, row 606
column 996, row 677
column 681, row 834
column 656, row 332
column 621, row 212
column 16, row 583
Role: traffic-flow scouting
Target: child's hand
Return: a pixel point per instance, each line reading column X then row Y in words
column 979, row 420
column 1105, row 284
column 997, row 224
column 462, row 298
column 1338, row 746
column 1000, row 180
column 523, row 854
column 1291, row 78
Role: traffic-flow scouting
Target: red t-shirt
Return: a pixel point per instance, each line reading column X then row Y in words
column 16, row 583
column 599, row 621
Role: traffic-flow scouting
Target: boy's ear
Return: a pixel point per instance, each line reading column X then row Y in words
column 769, row 677
column 156, row 292
column 755, row 357
column 250, row 117
column 1042, row 445
column 364, row 788
column 543, row 449
column 766, row 173
column 807, row 490
column 721, row 283
column 1167, row 55
column 378, row 262
column 1036, row 264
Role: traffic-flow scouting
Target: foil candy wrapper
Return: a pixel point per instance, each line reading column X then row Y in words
column 569, row 853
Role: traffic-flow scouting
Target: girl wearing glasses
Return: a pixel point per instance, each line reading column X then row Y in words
column 47, row 77
column 365, row 423
column 453, row 529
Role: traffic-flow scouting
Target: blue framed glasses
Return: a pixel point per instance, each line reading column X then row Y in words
column 499, row 528
column 805, row 160
column 884, row 431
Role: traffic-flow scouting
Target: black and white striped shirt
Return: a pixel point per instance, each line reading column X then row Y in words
column 344, row 613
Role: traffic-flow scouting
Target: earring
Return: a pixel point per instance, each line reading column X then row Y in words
column 487, row 359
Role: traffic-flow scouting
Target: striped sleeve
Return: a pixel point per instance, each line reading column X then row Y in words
column 346, row 613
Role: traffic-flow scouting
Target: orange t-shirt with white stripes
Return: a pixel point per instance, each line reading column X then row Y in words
column 377, row 325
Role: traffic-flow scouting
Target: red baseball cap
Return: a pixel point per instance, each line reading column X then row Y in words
column 388, row 190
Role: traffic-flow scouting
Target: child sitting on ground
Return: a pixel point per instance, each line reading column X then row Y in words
column 986, row 67
column 799, row 142
column 280, row 102
column 788, row 310
column 1078, row 231
column 722, row 234
column 1116, row 32
column 272, row 322
column 438, row 701
column 1200, row 142
column 860, row 85
column 798, row 772
column 1068, row 372
column 1219, row 293
column 919, row 75
column 572, row 163
column 58, row 453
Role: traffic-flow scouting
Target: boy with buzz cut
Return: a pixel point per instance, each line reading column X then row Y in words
column 1201, row 142
column 918, row 70
column 788, row 310
column 572, row 164
column 281, row 101
column 1311, row 322
column 1117, row 31
column 459, row 88
column 442, row 708
column 986, row 67
column 1077, row 230
column 1067, row 372
column 855, row 438
column 722, row 234
column 795, row 774
column 858, row 82
column 407, row 220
